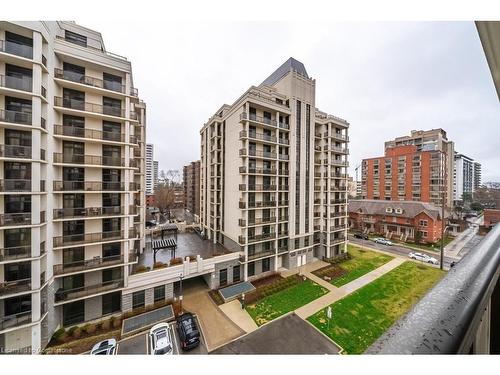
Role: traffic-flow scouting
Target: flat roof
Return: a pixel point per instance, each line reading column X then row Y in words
column 233, row 291
column 287, row 335
column 148, row 319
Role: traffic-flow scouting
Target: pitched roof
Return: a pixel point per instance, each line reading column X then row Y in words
column 290, row 64
column 378, row 207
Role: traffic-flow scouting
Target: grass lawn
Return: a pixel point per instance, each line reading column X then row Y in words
column 429, row 247
column 361, row 317
column 361, row 262
column 287, row 300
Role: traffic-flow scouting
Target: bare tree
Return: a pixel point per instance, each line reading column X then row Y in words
column 174, row 177
column 164, row 197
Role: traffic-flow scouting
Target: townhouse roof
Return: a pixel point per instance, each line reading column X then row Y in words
column 407, row 209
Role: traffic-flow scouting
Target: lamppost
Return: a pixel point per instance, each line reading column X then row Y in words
column 180, row 292
column 243, row 301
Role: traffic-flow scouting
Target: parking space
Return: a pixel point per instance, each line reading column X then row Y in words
column 139, row 344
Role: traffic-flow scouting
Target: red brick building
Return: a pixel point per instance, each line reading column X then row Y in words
column 397, row 220
column 491, row 217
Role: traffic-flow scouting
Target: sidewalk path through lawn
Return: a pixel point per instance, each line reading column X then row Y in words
column 337, row 293
column 239, row 316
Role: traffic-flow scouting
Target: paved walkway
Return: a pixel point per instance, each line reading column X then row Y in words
column 239, row 316
column 337, row 293
column 217, row 328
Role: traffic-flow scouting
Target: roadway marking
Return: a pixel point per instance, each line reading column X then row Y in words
column 174, row 338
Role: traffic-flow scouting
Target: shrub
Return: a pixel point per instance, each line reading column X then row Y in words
column 72, row 330
column 117, row 323
column 175, row 261
column 192, row 258
column 91, row 328
column 159, row 265
column 141, row 268
column 77, row 333
column 106, row 325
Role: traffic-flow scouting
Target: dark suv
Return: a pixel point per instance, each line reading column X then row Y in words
column 189, row 335
column 361, row 236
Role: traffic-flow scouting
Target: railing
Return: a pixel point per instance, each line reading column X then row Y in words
column 262, row 154
column 91, row 81
column 259, row 119
column 16, row 49
column 458, row 312
column 257, row 187
column 262, row 220
column 15, row 185
column 72, row 131
column 14, row 253
column 44, row 60
column 12, row 219
column 261, row 237
column 69, row 294
column 17, row 152
column 88, row 107
column 97, row 262
column 15, row 320
column 261, row 254
column 336, row 241
column 266, row 98
column 258, row 136
column 43, row 91
column 15, row 117
column 64, row 213
column 84, row 238
column 88, row 186
column 88, row 159
column 17, row 286
column 16, row 83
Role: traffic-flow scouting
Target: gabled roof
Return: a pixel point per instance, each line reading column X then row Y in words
column 378, row 207
column 290, row 64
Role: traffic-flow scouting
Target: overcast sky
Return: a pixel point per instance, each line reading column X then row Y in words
column 385, row 78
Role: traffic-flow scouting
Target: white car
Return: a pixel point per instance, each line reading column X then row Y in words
column 160, row 339
column 383, row 241
column 423, row 258
column 106, row 347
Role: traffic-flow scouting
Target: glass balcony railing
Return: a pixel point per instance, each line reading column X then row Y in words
column 17, row 49
column 14, row 219
column 16, row 83
column 84, row 291
column 72, row 131
column 16, row 286
column 88, row 160
column 15, row 320
column 66, row 213
column 15, row 253
column 85, row 238
column 88, row 264
column 15, row 151
column 15, row 185
column 89, row 107
column 88, row 186
column 15, row 117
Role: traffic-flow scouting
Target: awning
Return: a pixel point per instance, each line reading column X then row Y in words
column 163, row 244
column 234, row 291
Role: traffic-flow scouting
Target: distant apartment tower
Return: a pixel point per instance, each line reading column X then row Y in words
column 149, row 169
column 477, row 175
column 273, row 175
column 155, row 175
column 72, row 132
column 191, row 176
column 414, row 168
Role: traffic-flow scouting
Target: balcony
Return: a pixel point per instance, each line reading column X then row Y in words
column 339, row 163
column 257, row 187
column 88, row 186
column 336, row 241
column 261, row 237
column 258, row 119
column 15, row 253
column 15, row 152
column 63, row 295
column 93, row 82
column 84, row 265
column 16, row 320
column 15, row 185
column 16, row 49
column 261, row 254
column 258, row 153
column 262, row 220
column 283, row 141
column 13, row 287
column 258, row 136
column 71, row 131
column 338, row 214
column 87, row 212
column 16, row 83
column 88, row 238
column 107, row 161
column 88, row 107
column 14, row 219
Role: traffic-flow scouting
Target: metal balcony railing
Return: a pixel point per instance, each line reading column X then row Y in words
column 15, row 152
column 89, row 160
column 65, row 213
column 13, row 219
column 73, row 131
column 89, row 186
column 16, row 286
column 92, row 81
column 89, row 264
column 261, row 237
column 85, row 291
column 89, row 107
column 16, row 83
column 261, row 254
column 15, row 320
column 258, row 119
column 459, row 312
column 15, row 253
column 86, row 238
column 15, row 185
column 262, row 220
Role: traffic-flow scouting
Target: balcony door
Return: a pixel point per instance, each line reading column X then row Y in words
column 73, row 152
column 17, row 271
column 74, row 99
column 74, row 126
column 17, row 238
column 17, row 305
column 18, row 110
column 111, row 131
column 73, row 257
column 74, row 282
column 18, row 45
column 18, row 78
column 74, row 72
column 73, row 313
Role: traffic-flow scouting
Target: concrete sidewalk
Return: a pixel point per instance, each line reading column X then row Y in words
column 239, row 316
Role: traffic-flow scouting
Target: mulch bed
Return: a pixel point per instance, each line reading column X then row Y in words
column 331, row 271
column 267, row 280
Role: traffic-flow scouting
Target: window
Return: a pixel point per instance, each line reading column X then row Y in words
column 17, row 237
column 251, row 269
column 73, row 72
column 138, row 299
column 111, row 200
column 73, row 313
column 236, row 274
column 17, row 204
column 111, row 303
column 111, row 225
column 17, row 271
column 112, row 82
column 18, row 45
column 111, row 131
column 111, row 106
column 266, row 265
column 423, row 223
column 18, row 78
column 111, row 250
column 159, row 293
column 111, row 275
column 75, row 38
column 73, row 228
column 223, row 277
column 388, row 210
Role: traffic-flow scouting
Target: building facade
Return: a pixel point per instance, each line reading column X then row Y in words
column 414, row 168
column 72, row 132
column 477, row 176
column 155, row 175
column 273, row 175
column 149, row 169
column 404, row 221
column 191, row 176
column 466, row 177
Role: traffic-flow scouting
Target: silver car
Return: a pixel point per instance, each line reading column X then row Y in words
column 423, row 258
column 160, row 339
column 106, row 347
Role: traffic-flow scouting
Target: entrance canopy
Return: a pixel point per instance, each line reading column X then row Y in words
column 234, row 291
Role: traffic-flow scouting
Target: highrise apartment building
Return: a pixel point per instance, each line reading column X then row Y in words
column 149, row 169
column 273, row 175
column 418, row 167
column 191, row 177
column 466, row 176
column 72, row 132
column 155, row 175
column 477, row 175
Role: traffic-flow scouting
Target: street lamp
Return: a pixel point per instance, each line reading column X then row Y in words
column 180, row 291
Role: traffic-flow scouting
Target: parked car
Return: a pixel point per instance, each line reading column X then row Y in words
column 160, row 339
column 106, row 347
column 189, row 334
column 423, row 258
column 361, row 236
column 383, row 241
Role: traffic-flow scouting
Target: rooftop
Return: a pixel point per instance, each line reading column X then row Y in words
column 290, row 64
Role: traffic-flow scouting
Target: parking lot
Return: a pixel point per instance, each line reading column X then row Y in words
column 139, row 344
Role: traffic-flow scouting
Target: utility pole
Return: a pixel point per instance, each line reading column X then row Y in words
column 444, row 185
